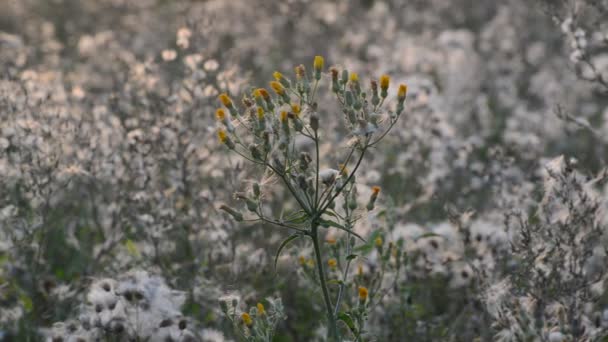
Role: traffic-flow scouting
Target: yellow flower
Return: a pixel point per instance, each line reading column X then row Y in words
column 225, row 99
column 261, row 92
column 354, row 78
column 260, row 113
column 318, row 63
column 283, row 116
column 295, row 108
column 363, row 293
column 220, row 114
column 261, row 310
column 222, row 135
column 277, row 75
column 332, row 263
column 402, row 92
column 277, row 87
column 302, row 260
column 384, row 82
column 246, row 319
column 375, row 190
column 378, row 241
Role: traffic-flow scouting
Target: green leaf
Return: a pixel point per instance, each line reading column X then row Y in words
column 369, row 245
column 283, row 244
column 348, row 320
column 330, row 223
column 351, row 257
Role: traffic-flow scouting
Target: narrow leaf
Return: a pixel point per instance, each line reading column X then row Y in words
column 283, row 244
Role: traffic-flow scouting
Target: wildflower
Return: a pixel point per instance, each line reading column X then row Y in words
column 233, row 212
column 224, row 138
column 378, row 242
column 280, row 78
column 283, row 116
column 302, row 260
column 318, row 66
column 226, row 101
column 295, row 108
column 384, row 82
column 354, row 78
column 246, row 319
column 373, row 197
column 261, row 310
column 362, row 294
column 332, row 263
column 277, row 87
column 402, row 92
column 220, row 114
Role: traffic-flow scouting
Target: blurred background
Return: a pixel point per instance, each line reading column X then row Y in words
column 109, row 161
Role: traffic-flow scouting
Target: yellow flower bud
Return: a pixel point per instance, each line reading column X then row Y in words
column 363, row 293
column 295, row 108
column 375, row 190
column 277, row 87
column 220, row 114
column 402, row 92
column 261, row 310
column 318, row 63
column 222, row 136
column 378, row 241
column 260, row 113
column 332, row 263
column 302, row 260
column 283, row 116
column 354, row 78
column 261, row 93
column 225, row 99
column 384, row 82
column 246, row 319
column 277, row 75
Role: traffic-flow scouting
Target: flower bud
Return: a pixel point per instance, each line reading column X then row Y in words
column 225, row 139
column 314, row 122
column 261, row 310
column 256, row 190
column 233, row 212
column 318, row 66
column 280, row 78
column 335, row 86
column 344, row 76
column 246, row 319
column 384, row 83
column 373, row 197
column 375, row 97
column 363, row 293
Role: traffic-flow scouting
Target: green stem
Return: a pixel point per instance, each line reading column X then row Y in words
column 332, row 330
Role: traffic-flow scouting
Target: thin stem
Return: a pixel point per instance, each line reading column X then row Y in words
column 331, row 320
column 317, row 171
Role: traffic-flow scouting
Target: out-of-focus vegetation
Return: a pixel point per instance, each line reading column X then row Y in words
column 491, row 220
